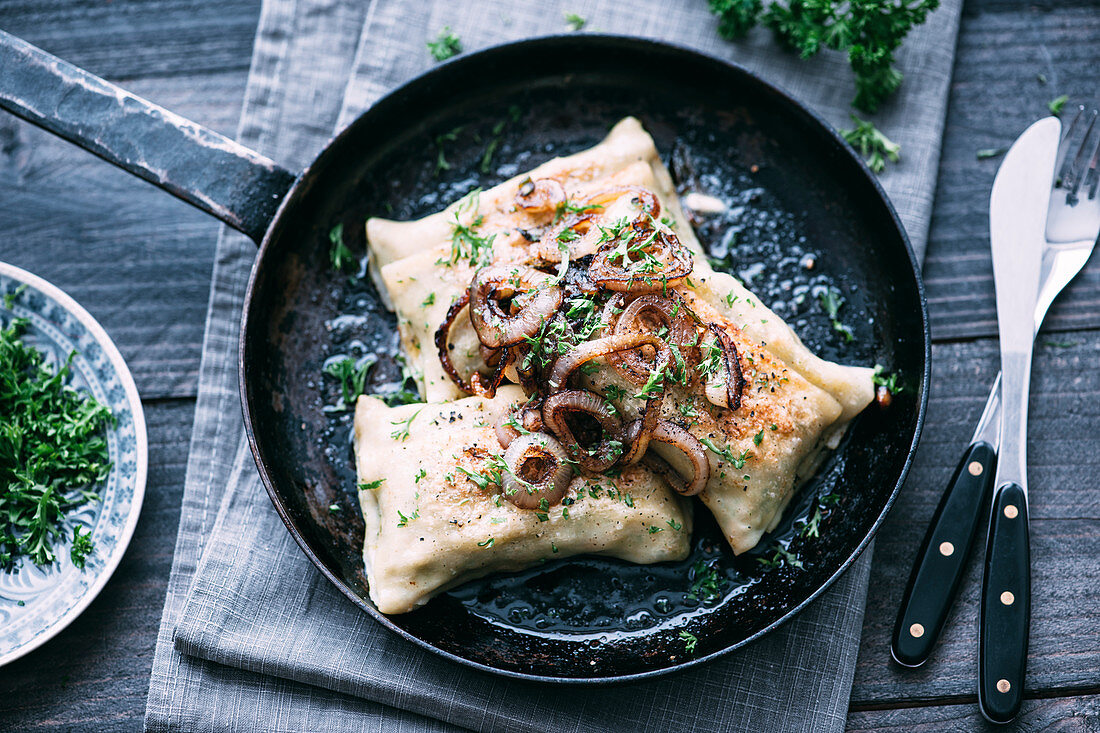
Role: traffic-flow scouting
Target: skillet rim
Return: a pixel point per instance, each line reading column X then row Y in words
column 635, row 44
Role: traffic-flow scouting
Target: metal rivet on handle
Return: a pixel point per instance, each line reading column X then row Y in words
column 1007, row 598
column 975, row 468
column 1003, row 685
column 916, row 630
column 1011, row 511
column 946, row 548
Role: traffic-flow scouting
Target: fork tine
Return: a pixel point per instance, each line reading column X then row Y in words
column 1060, row 160
column 1074, row 181
column 1092, row 175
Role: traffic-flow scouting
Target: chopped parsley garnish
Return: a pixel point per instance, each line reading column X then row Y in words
column 487, row 543
column 890, row 381
column 576, row 22
column 655, row 384
column 780, row 556
column 53, row 452
column 339, row 254
column 568, row 207
column 419, row 475
column 985, row 153
column 494, row 141
column 516, row 425
column 445, row 45
column 353, row 379
column 687, row 409
column 869, row 31
column 706, row 582
column 812, row 526
column 653, row 530
column 441, row 162
column 1057, row 105
column 466, row 243
column 690, row 640
column 676, row 526
column 370, row 485
column 726, row 453
column 872, row 144
column 832, row 301
column 402, row 431
column 758, row 438
column 403, row 521
column 430, row 300
column 481, row 480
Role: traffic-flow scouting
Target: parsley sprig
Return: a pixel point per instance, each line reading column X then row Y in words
column 445, row 45
column 832, row 301
column 869, row 31
column 872, row 144
column 53, row 452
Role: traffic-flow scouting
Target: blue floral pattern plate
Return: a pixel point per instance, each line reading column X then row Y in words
column 37, row 603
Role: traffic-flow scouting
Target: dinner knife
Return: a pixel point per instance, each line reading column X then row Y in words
column 1017, row 223
column 942, row 558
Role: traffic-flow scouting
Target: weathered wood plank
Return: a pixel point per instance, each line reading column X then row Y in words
column 138, row 259
column 995, row 95
column 1065, row 529
column 1064, row 714
column 95, row 674
column 135, row 38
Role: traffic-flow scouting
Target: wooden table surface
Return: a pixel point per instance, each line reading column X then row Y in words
column 141, row 262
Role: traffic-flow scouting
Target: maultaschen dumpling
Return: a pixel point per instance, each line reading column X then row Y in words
column 583, row 284
column 437, row 514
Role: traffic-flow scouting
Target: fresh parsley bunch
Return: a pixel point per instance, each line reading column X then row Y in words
column 53, row 452
column 870, row 31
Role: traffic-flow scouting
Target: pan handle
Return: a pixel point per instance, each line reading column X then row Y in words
column 205, row 169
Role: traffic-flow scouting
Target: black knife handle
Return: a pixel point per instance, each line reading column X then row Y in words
column 1006, row 607
column 939, row 566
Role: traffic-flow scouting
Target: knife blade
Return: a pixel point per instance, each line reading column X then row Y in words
column 1017, row 222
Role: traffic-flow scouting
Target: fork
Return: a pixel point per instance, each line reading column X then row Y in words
column 1072, row 228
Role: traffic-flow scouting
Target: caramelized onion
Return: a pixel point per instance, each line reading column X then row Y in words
column 726, row 393
column 607, row 450
column 544, row 196
column 477, row 384
column 679, row 438
column 529, row 418
column 645, row 199
column 629, row 275
column 538, row 469
column 641, row 429
column 564, row 366
column 630, row 363
column 494, row 327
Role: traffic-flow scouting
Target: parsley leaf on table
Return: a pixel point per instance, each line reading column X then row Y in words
column 869, row 31
column 446, row 45
column 872, row 144
column 1057, row 105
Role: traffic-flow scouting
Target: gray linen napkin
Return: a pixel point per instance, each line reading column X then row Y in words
column 253, row 637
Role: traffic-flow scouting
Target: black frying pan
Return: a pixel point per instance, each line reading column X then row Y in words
column 805, row 196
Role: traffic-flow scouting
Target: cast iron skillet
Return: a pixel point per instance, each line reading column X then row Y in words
column 801, row 195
